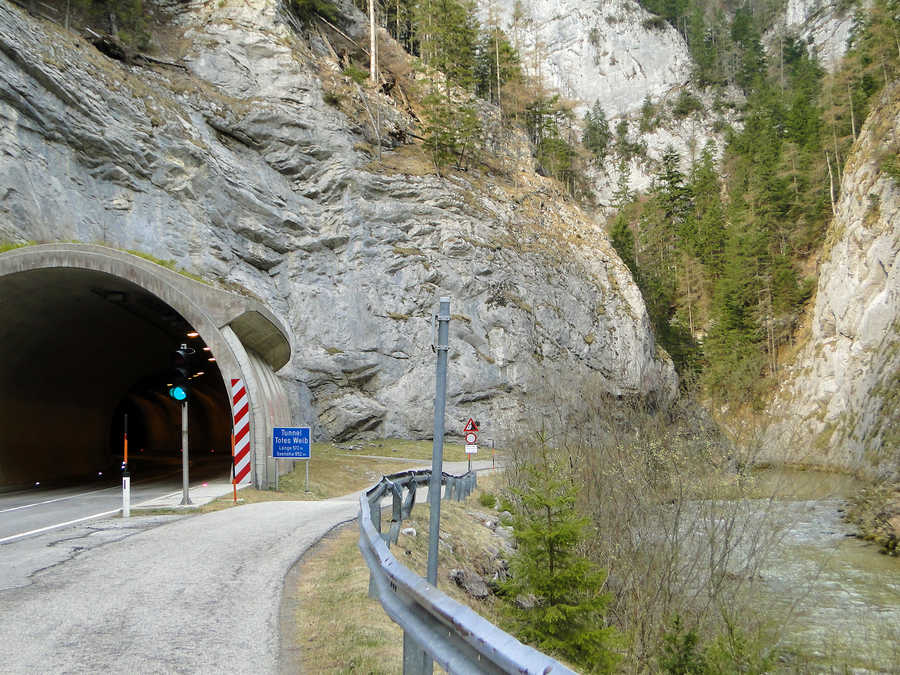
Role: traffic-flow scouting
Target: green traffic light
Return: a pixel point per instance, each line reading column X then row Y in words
column 178, row 393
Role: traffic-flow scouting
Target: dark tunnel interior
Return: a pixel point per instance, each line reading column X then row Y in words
column 79, row 350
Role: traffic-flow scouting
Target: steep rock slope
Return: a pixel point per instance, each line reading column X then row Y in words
column 839, row 404
column 237, row 170
column 589, row 50
column 614, row 52
column 823, row 24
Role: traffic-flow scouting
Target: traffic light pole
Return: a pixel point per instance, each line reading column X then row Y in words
column 185, row 499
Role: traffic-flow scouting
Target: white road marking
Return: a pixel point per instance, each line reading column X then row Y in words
column 58, row 525
column 58, row 499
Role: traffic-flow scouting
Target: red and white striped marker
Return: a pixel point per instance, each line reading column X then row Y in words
column 240, row 408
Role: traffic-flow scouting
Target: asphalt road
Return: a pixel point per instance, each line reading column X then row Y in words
column 158, row 594
column 28, row 512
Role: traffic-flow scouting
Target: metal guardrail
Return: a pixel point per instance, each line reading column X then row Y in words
column 451, row 634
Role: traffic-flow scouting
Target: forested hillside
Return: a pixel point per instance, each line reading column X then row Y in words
column 725, row 255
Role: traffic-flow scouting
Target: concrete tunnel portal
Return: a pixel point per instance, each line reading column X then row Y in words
column 87, row 336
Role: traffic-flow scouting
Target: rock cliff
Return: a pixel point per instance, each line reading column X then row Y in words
column 612, row 51
column 589, row 50
column 839, row 403
column 231, row 164
column 823, row 24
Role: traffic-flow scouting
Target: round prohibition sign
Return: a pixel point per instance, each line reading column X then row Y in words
column 471, row 438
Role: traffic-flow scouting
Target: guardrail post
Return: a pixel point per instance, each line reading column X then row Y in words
column 449, row 486
column 415, row 660
column 410, row 500
column 396, row 514
column 375, row 509
column 375, row 516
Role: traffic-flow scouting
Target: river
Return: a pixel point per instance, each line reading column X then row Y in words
column 840, row 595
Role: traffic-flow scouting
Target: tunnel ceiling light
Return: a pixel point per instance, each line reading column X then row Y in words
column 199, row 373
column 193, row 334
column 211, row 359
column 206, row 349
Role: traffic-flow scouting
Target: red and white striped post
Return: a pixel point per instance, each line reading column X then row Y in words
column 240, row 406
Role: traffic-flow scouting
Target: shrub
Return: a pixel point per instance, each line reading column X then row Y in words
column 487, row 500
column 686, row 104
column 358, row 75
column 307, row 10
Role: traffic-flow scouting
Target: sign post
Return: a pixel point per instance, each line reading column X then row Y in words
column 437, row 451
column 471, row 432
column 126, row 477
column 291, row 443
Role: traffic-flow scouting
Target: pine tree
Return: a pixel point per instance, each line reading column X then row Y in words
column 568, row 613
column 497, row 64
column 597, row 135
column 447, row 36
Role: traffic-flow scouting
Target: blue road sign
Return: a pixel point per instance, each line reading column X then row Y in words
column 291, row 442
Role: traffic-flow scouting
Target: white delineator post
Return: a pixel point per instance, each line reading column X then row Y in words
column 240, row 407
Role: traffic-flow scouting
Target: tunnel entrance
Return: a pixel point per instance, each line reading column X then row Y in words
column 80, row 349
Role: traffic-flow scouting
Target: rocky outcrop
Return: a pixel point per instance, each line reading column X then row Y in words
column 612, row 50
column 839, row 404
column 823, row 24
column 235, row 168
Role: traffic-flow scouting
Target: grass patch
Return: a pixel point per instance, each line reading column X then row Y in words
column 407, row 251
column 11, row 246
column 169, row 265
column 339, row 469
column 339, row 629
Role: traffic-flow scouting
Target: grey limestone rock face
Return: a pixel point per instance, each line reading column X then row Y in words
column 237, row 170
column 839, row 404
column 616, row 53
column 823, row 24
column 589, row 50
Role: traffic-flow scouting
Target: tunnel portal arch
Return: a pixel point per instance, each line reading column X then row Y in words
column 248, row 341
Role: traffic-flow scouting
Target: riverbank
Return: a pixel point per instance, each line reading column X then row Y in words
column 875, row 512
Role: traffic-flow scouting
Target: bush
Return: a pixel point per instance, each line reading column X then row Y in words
column 331, row 98
column 358, row 75
column 654, row 23
column 686, row 104
column 487, row 500
column 307, row 10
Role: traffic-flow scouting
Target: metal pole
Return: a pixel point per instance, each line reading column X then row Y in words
column 307, row 474
column 185, row 499
column 276, row 474
column 437, row 455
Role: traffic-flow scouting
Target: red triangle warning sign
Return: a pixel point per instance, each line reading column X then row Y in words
column 470, row 425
